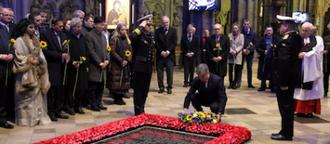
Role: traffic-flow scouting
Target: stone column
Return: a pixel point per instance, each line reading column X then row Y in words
column 267, row 14
column 186, row 16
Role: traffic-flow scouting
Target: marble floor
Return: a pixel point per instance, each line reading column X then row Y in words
column 245, row 107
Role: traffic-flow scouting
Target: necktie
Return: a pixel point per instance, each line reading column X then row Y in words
column 166, row 31
column 59, row 40
column 7, row 26
column 189, row 38
column 217, row 39
column 37, row 33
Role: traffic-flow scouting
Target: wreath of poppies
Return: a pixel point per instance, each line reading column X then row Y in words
column 226, row 134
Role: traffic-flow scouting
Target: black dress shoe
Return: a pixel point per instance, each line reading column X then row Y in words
column 93, row 108
column 79, row 111
column 230, row 86
column 185, row 85
column 62, row 116
column 102, row 107
column 310, row 115
column 238, row 85
column 71, row 112
column 281, row 137
column 53, row 118
column 273, row 90
column 261, row 89
column 119, row 102
column 251, row 86
column 169, row 90
column 233, row 87
column 275, row 134
column 6, row 125
column 126, row 96
column 161, row 90
column 301, row 115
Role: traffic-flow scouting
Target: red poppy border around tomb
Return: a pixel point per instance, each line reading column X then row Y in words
column 228, row 134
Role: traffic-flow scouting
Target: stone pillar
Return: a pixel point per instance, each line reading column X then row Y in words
column 234, row 11
column 267, row 14
column 289, row 7
column 138, row 12
column 186, row 16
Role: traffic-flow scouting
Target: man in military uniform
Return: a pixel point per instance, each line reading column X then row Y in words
column 286, row 68
column 143, row 46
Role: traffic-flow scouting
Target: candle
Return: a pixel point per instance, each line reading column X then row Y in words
column 100, row 9
column 132, row 13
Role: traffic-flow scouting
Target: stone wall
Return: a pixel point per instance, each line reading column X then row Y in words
column 53, row 8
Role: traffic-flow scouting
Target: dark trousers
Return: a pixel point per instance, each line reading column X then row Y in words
column 198, row 100
column 74, row 102
column 7, row 93
column 55, row 99
column 237, row 69
column 10, row 99
column 169, row 72
column 203, row 56
column 326, row 82
column 189, row 65
column 266, row 73
column 141, row 88
column 286, row 108
column 249, row 62
column 95, row 93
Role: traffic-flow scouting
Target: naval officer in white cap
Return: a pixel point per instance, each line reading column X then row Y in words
column 286, row 68
column 143, row 45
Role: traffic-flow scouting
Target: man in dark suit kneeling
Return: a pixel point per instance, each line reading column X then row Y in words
column 211, row 92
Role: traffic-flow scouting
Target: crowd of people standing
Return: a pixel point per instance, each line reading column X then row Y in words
column 65, row 67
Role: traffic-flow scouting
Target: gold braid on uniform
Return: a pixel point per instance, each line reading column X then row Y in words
column 138, row 31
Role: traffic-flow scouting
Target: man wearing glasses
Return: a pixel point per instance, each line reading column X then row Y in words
column 7, row 19
column 217, row 49
column 166, row 38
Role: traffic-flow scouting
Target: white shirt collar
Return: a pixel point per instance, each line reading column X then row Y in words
column 306, row 40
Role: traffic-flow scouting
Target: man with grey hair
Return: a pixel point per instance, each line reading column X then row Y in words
column 6, row 56
column 79, row 14
column 189, row 48
column 6, row 20
column 217, row 49
column 166, row 38
column 211, row 92
column 310, row 90
column 78, row 49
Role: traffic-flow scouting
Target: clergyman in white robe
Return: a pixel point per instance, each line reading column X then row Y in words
column 312, row 68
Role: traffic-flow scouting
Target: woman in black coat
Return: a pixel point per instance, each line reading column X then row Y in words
column 119, row 73
column 78, row 51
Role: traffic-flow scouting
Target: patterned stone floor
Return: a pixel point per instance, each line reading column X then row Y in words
column 245, row 107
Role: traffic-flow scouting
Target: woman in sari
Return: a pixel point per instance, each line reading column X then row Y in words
column 119, row 73
column 31, row 77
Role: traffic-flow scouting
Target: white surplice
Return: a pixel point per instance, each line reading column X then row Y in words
column 313, row 71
